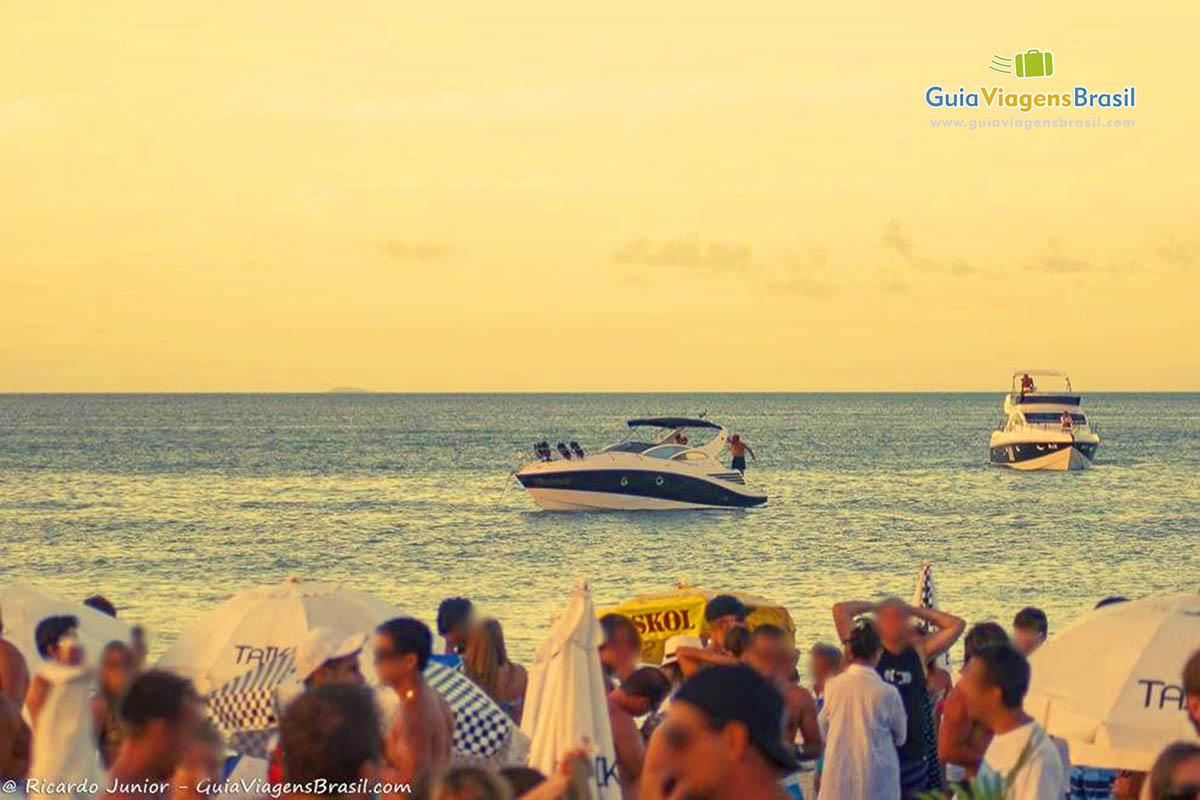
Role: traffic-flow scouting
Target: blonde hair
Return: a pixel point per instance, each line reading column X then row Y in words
column 485, row 655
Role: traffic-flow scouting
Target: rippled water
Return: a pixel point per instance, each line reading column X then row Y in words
column 169, row 504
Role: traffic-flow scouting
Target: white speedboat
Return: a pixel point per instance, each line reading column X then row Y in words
column 667, row 473
column 1043, row 426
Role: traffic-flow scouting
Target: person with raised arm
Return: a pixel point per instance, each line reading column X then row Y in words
column 906, row 654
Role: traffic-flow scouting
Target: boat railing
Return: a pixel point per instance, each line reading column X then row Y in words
column 1051, row 426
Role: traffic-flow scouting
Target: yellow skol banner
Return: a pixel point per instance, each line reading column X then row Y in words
column 660, row 616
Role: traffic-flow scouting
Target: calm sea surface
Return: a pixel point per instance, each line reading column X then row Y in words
column 169, row 504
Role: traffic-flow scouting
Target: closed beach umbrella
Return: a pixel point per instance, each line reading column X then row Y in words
column 565, row 704
column 1110, row 684
column 256, row 626
column 23, row 606
column 680, row 611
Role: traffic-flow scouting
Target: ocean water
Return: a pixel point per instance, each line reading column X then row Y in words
column 169, row 504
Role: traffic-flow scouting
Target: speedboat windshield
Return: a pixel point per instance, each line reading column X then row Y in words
column 629, row 447
column 666, row 451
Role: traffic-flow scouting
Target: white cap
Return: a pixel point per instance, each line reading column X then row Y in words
column 324, row 645
column 675, row 642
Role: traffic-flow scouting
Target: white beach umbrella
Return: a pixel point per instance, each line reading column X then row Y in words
column 23, row 606
column 925, row 596
column 258, row 625
column 565, row 704
column 1110, row 683
column 247, row 710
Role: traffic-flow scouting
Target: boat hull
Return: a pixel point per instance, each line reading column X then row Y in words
column 1052, row 456
column 633, row 490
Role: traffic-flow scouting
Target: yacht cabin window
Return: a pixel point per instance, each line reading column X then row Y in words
column 1051, row 418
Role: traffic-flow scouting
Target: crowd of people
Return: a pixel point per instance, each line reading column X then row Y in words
column 734, row 716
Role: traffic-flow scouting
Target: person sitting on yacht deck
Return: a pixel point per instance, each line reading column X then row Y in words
column 1067, row 421
column 1027, row 384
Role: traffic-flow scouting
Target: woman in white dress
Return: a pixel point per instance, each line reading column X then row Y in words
column 862, row 722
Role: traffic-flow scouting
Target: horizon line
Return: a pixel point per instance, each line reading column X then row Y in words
column 356, row 392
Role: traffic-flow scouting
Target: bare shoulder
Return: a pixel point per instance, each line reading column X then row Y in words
column 796, row 690
column 11, row 658
column 514, row 679
column 800, row 697
column 955, row 702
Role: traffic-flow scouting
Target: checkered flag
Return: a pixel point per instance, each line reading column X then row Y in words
column 925, row 596
column 245, row 710
column 483, row 733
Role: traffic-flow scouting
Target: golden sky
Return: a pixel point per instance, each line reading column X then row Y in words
column 291, row 196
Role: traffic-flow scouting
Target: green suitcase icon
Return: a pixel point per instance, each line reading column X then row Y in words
column 1034, row 64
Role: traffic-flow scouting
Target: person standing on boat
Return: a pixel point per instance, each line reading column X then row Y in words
column 738, row 449
column 1027, row 384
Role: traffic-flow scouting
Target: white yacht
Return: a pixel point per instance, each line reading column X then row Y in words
column 1043, row 426
column 669, row 472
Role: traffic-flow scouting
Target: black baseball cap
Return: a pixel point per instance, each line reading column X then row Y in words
column 723, row 605
column 739, row 694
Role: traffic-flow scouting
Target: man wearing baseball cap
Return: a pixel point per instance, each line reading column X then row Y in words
column 723, row 740
column 324, row 658
column 722, row 613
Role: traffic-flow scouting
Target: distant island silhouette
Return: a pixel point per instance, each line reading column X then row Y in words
column 347, row 390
